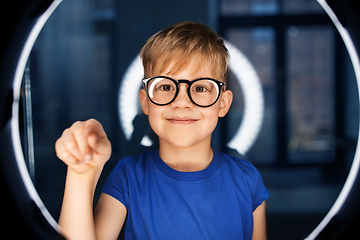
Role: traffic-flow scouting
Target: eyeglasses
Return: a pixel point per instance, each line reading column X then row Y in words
column 203, row 92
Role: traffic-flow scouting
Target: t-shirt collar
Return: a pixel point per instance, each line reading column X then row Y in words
column 187, row 176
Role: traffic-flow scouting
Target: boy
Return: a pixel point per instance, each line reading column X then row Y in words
column 185, row 190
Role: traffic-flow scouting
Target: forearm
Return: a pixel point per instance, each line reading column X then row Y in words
column 76, row 217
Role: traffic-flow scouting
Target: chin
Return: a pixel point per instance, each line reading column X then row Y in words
column 187, row 141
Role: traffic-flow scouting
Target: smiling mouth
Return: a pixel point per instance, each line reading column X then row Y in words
column 179, row 120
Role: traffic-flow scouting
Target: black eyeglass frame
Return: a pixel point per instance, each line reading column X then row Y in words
column 220, row 84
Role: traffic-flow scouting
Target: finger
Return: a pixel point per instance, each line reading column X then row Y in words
column 63, row 154
column 85, row 150
column 97, row 139
column 70, row 143
column 93, row 130
column 92, row 140
column 94, row 127
column 95, row 134
column 100, row 146
column 70, row 160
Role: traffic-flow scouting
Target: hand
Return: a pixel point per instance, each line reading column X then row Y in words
column 84, row 146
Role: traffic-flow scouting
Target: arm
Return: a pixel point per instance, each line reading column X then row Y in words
column 84, row 147
column 76, row 217
column 259, row 232
column 109, row 217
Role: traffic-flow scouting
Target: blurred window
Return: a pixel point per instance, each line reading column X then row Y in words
column 309, row 134
column 311, row 96
column 292, row 46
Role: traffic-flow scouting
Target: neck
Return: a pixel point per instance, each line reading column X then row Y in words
column 186, row 159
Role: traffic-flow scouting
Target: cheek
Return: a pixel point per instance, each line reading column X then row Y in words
column 155, row 117
column 211, row 117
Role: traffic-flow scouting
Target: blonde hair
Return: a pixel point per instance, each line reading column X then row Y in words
column 179, row 44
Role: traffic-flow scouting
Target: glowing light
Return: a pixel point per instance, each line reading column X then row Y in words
column 129, row 96
column 355, row 165
column 15, row 112
column 254, row 100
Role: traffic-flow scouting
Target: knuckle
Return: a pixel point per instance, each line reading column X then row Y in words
column 58, row 154
column 65, row 132
column 57, row 143
column 71, row 145
column 76, row 124
column 78, row 131
column 67, row 158
column 92, row 120
column 63, row 155
column 92, row 123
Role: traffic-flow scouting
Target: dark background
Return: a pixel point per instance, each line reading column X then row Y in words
column 309, row 133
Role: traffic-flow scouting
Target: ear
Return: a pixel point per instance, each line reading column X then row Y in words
column 225, row 102
column 144, row 101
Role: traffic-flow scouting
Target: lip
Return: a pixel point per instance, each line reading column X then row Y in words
column 182, row 120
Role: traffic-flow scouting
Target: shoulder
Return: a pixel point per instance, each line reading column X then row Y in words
column 131, row 161
column 237, row 164
column 130, row 166
column 127, row 168
column 241, row 170
column 244, row 173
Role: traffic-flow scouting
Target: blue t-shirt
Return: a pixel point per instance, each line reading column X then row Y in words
column 162, row 203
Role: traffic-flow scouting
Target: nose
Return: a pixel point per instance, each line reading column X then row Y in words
column 182, row 100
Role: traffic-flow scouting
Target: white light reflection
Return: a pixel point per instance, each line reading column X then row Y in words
column 355, row 165
column 15, row 112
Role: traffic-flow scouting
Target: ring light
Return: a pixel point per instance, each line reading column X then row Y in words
column 354, row 170
column 20, row 160
column 130, row 106
column 253, row 100
column 129, row 96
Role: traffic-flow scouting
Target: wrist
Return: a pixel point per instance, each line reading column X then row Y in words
column 87, row 179
column 86, row 174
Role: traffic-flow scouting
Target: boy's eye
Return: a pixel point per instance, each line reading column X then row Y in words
column 166, row 88
column 200, row 89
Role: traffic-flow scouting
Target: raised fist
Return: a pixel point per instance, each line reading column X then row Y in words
column 84, row 146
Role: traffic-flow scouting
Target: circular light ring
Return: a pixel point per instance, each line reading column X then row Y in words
column 245, row 74
column 15, row 133
column 253, row 100
column 132, row 112
column 129, row 96
column 354, row 170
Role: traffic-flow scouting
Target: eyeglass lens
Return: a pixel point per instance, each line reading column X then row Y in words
column 203, row 92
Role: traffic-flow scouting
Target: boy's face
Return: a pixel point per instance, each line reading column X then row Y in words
column 181, row 123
